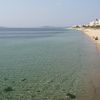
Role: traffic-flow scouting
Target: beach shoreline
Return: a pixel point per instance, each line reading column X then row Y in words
column 93, row 33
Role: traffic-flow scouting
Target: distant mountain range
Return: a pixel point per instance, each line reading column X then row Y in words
column 34, row 27
column 2, row 27
column 44, row 28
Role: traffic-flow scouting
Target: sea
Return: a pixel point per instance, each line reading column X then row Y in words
column 48, row 64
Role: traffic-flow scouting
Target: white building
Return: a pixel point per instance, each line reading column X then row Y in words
column 92, row 23
column 98, row 22
column 95, row 23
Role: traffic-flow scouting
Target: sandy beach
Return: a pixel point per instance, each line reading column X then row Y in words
column 94, row 75
column 92, row 33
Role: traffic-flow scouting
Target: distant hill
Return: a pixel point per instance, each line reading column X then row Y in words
column 2, row 27
column 44, row 28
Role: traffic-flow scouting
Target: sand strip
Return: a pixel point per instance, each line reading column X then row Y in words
column 94, row 34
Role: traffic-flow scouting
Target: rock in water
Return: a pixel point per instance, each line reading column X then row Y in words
column 71, row 96
column 8, row 89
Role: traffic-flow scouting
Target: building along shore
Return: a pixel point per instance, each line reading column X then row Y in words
column 92, row 30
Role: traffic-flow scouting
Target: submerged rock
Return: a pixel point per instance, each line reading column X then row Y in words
column 8, row 89
column 23, row 79
column 71, row 96
column 5, row 79
column 38, row 91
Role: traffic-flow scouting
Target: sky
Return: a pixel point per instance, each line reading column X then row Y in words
column 37, row 13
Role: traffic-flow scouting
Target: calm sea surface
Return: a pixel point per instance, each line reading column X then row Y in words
column 47, row 65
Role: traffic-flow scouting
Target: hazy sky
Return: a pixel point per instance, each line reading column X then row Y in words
column 36, row 13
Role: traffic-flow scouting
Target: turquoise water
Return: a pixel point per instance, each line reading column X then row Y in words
column 46, row 65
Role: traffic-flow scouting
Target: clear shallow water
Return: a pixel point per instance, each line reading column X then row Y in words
column 46, row 65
